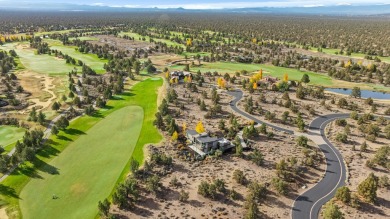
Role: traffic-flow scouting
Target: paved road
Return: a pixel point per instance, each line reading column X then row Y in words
column 308, row 205
column 233, row 104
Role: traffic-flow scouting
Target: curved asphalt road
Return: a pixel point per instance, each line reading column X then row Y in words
column 308, row 204
column 233, row 104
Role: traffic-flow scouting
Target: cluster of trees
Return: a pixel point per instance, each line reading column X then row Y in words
column 38, row 44
column 7, row 61
column 127, row 193
column 9, row 85
column 25, row 150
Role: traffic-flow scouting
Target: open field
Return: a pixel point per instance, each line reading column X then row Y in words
column 89, row 59
column 9, row 135
column 353, row 55
column 44, row 64
column 87, row 38
column 275, row 71
column 143, row 94
column 147, row 39
column 51, row 32
column 86, row 171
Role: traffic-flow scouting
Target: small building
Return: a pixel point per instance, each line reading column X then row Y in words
column 180, row 75
column 203, row 144
column 268, row 81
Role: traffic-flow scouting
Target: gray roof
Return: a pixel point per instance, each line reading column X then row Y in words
column 207, row 139
column 192, row 132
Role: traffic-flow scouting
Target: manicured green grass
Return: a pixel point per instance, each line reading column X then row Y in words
column 44, row 64
column 138, row 37
column 229, row 67
column 143, row 94
column 91, row 60
column 9, row 135
column 87, row 170
column 84, row 38
column 353, row 55
column 51, row 32
column 293, row 74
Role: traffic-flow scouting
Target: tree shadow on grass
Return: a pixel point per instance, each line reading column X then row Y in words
column 48, row 150
column 107, row 107
column 51, row 142
column 45, row 167
column 127, row 94
column 97, row 114
column 27, row 171
column 72, row 131
column 64, row 138
column 8, row 191
column 116, row 98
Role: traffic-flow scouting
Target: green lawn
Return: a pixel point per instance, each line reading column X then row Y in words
column 137, row 37
column 57, row 31
column 44, row 64
column 9, row 135
column 91, row 60
column 353, row 55
column 229, row 67
column 293, row 74
column 84, row 38
column 144, row 95
column 87, row 170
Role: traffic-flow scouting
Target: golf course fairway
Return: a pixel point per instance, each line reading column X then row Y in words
column 86, row 171
column 10, row 134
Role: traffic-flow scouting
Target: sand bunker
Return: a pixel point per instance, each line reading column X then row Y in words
column 39, row 85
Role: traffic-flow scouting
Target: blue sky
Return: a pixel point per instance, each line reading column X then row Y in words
column 214, row 4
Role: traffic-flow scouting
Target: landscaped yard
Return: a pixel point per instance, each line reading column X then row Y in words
column 97, row 147
column 9, row 135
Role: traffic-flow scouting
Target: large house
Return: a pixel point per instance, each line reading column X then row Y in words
column 203, row 144
column 180, row 75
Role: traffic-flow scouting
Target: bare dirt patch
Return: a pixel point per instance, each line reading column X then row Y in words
column 41, row 88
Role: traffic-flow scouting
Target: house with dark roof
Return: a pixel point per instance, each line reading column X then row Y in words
column 180, row 75
column 203, row 144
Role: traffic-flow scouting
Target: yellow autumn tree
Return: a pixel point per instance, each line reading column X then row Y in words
column 199, row 127
column 166, row 74
column 221, row 82
column 189, row 42
column 348, row 64
column 256, row 77
column 254, row 40
column 255, row 85
column 184, row 127
column 175, row 136
column 285, row 77
column 360, row 63
column 260, row 74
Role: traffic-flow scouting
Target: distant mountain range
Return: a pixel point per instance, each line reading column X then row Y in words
column 346, row 10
